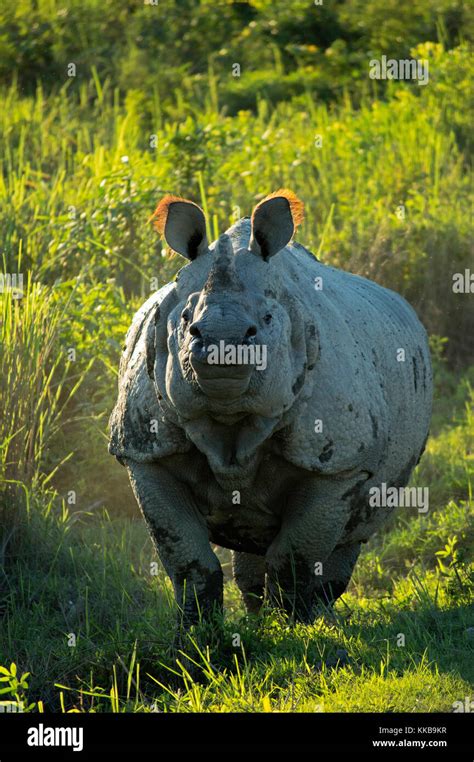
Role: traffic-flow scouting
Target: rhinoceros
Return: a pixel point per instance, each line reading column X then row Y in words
column 273, row 446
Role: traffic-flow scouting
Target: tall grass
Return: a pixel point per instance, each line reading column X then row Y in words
column 83, row 169
column 36, row 386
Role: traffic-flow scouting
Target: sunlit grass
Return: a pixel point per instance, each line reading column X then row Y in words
column 399, row 640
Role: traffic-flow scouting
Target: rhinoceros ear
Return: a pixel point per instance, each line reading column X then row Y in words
column 274, row 221
column 183, row 225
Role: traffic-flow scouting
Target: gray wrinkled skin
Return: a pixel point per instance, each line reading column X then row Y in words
column 189, row 445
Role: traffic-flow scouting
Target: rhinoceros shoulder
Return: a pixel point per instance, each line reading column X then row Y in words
column 139, row 429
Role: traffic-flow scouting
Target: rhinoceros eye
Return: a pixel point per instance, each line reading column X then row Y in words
column 185, row 316
column 268, row 318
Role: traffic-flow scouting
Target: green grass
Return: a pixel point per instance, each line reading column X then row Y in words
column 83, row 572
column 402, row 634
column 80, row 179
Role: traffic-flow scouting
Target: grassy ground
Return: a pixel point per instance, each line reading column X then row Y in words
column 90, row 614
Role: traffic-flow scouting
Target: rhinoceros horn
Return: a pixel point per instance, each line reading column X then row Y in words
column 223, row 276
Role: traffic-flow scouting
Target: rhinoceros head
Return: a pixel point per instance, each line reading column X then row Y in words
column 235, row 336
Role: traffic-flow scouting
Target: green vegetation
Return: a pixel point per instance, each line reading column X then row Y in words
column 153, row 108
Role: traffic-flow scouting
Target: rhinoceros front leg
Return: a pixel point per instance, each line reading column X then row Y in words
column 312, row 526
column 181, row 539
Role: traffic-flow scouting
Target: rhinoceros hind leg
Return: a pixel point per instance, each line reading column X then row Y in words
column 249, row 574
column 337, row 572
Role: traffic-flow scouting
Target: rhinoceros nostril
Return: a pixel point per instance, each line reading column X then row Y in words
column 194, row 331
column 252, row 331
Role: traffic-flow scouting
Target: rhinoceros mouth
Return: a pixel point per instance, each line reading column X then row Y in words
column 207, row 371
column 223, row 388
column 221, row 381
